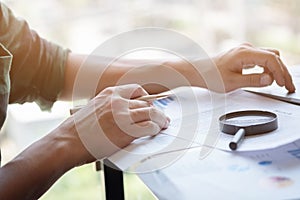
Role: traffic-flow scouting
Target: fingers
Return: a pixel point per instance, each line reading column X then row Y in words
column 138, row 104
column 287, row 77
column 144, row 121
column 254, row 80
column 289, row 85
column 149, row 128
column 270, row 60
column 149, row 114
column 135, row 117
column 272, row 50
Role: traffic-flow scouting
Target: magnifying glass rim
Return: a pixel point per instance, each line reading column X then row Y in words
column 255, row 129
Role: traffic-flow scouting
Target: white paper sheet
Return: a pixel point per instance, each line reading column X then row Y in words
column 173, row 165
column 195, row 122
column 206, row 120
column 265, row 174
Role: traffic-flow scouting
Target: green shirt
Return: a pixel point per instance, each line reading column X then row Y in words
column 36, row 72
column 31, row 68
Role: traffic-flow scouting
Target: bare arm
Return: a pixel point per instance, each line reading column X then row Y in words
column 32, row 172
column 157, row 76
column 78, row 140
column 93, row 71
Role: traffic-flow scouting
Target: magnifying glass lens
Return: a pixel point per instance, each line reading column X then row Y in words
column 248, row 120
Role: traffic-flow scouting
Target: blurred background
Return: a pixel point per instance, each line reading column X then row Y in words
column 82, row 25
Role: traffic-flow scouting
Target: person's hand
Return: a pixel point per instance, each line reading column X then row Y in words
column 232, row 63
column 114, row 118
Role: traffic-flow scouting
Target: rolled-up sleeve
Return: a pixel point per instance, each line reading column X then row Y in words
column 37, row 70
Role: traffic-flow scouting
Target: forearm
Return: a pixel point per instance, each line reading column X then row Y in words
column 155, row 76
column 33, row 171
column 222, row 73
column 158, row 76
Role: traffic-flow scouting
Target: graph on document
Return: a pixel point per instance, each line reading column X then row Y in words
column 295, row 149
column 279, row 158
column 163, row 103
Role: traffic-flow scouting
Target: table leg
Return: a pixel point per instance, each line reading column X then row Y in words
column 114, row 183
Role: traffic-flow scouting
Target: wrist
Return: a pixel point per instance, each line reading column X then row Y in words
column 192, row 71
column 69, row 145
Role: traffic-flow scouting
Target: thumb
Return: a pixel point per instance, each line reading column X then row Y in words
column 256, row 80
column 131, row 91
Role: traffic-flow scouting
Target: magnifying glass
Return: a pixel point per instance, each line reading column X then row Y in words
column 247, row 123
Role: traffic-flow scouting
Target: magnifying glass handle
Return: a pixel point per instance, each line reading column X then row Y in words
column 237, row 139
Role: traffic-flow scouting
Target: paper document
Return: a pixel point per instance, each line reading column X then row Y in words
column 205, row 121
column 197, row 125
column 265, row 174
column 263, row 167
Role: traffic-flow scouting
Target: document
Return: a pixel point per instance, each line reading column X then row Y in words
column 203, row 123
column 264, row 174
column 195, row 122
column 263, row 167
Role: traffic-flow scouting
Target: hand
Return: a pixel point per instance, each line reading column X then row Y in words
column 235, row 60
column 113, row 119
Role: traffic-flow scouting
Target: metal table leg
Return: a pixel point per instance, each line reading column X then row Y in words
column 114, row 183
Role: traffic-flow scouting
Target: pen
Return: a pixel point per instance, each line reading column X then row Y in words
column 237, row 139
column 153, row 96
column 149, row 97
